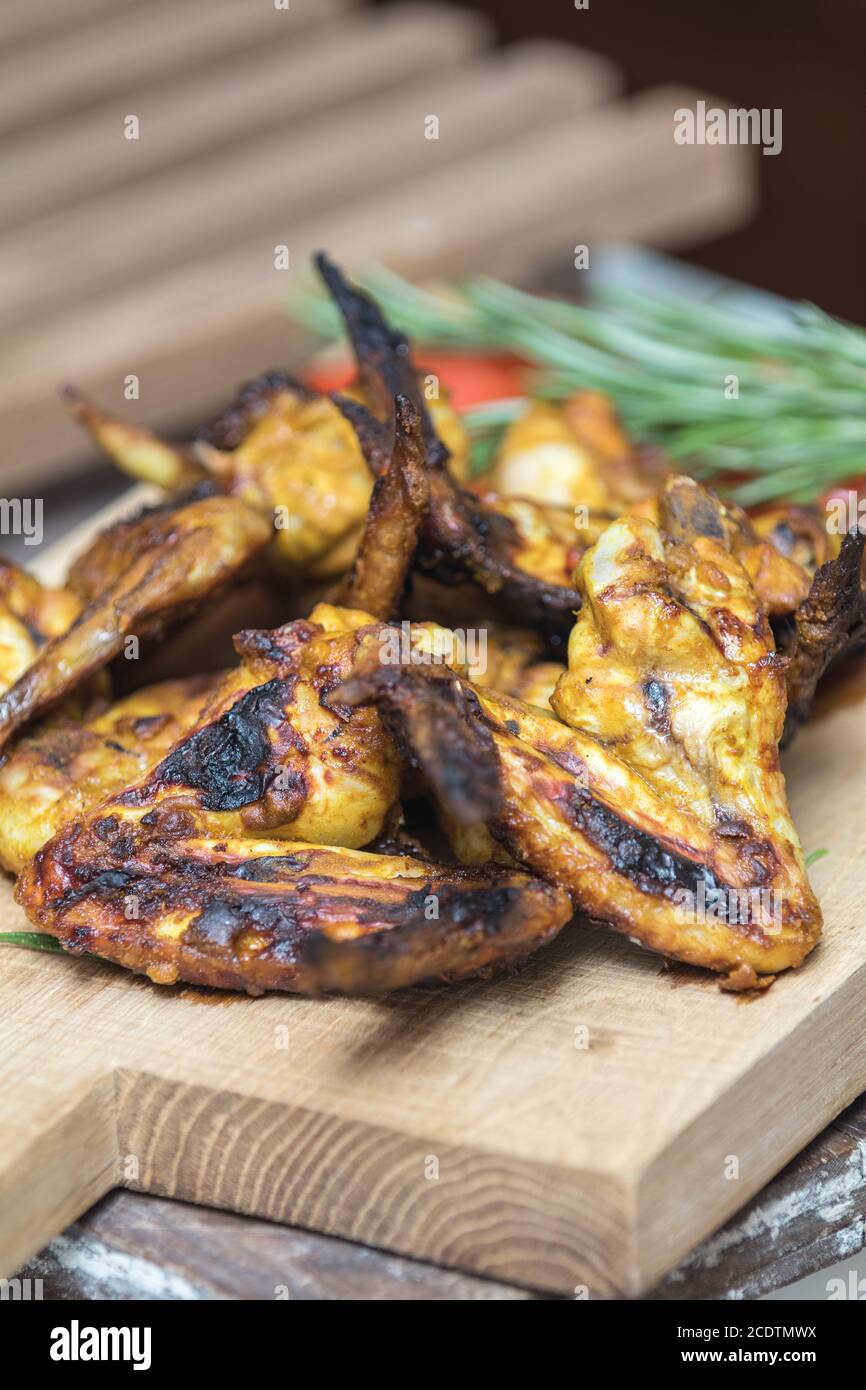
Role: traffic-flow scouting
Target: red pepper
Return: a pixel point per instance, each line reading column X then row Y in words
column 471, row 379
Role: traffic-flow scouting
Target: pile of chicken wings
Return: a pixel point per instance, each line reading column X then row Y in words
column 497, row 705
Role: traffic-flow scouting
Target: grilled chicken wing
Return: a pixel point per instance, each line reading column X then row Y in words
column 400, row 499
column 569, row 455
column 137, row 577
column 185, row 873
column 830, row 622
column 66, row 766
column 282, row 449
column 285, row 916
column 516, row 549
column 265, row 756
column 656, row 798
column 287, row 451
column 30, row 616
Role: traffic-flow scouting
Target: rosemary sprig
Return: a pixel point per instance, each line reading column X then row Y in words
column 814, row 855
column 30, row 940
column 796, row 427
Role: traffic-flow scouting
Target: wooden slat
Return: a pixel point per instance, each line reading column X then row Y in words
column 290, row 81
column 21, row 21
column 137, row 44
column 282, row 178
column 611, row 172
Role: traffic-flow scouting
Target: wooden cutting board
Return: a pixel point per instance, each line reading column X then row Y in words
column 581, row 1124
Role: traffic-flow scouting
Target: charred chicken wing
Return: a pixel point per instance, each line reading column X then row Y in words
column 288, row 451
column 518, row 550
column 257, row 915
column 656, row 798
column 188, row 873
column 137, row 578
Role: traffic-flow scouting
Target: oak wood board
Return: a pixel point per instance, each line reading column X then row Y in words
column 461, row 1125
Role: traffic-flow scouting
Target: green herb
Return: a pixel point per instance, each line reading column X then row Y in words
column 30, row 940
column 796, row 427
column 814, row 855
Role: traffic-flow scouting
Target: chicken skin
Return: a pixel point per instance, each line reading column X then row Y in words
column 53, row 775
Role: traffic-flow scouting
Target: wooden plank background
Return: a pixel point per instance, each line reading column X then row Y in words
column 303, row 127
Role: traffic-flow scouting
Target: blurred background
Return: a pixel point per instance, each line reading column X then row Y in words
column 807, row 238
column 168, row 168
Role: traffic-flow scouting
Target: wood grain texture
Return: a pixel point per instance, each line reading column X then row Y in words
column 135, row 1246
column 463, row 1125
column 57, row 1144
column 613, row 172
